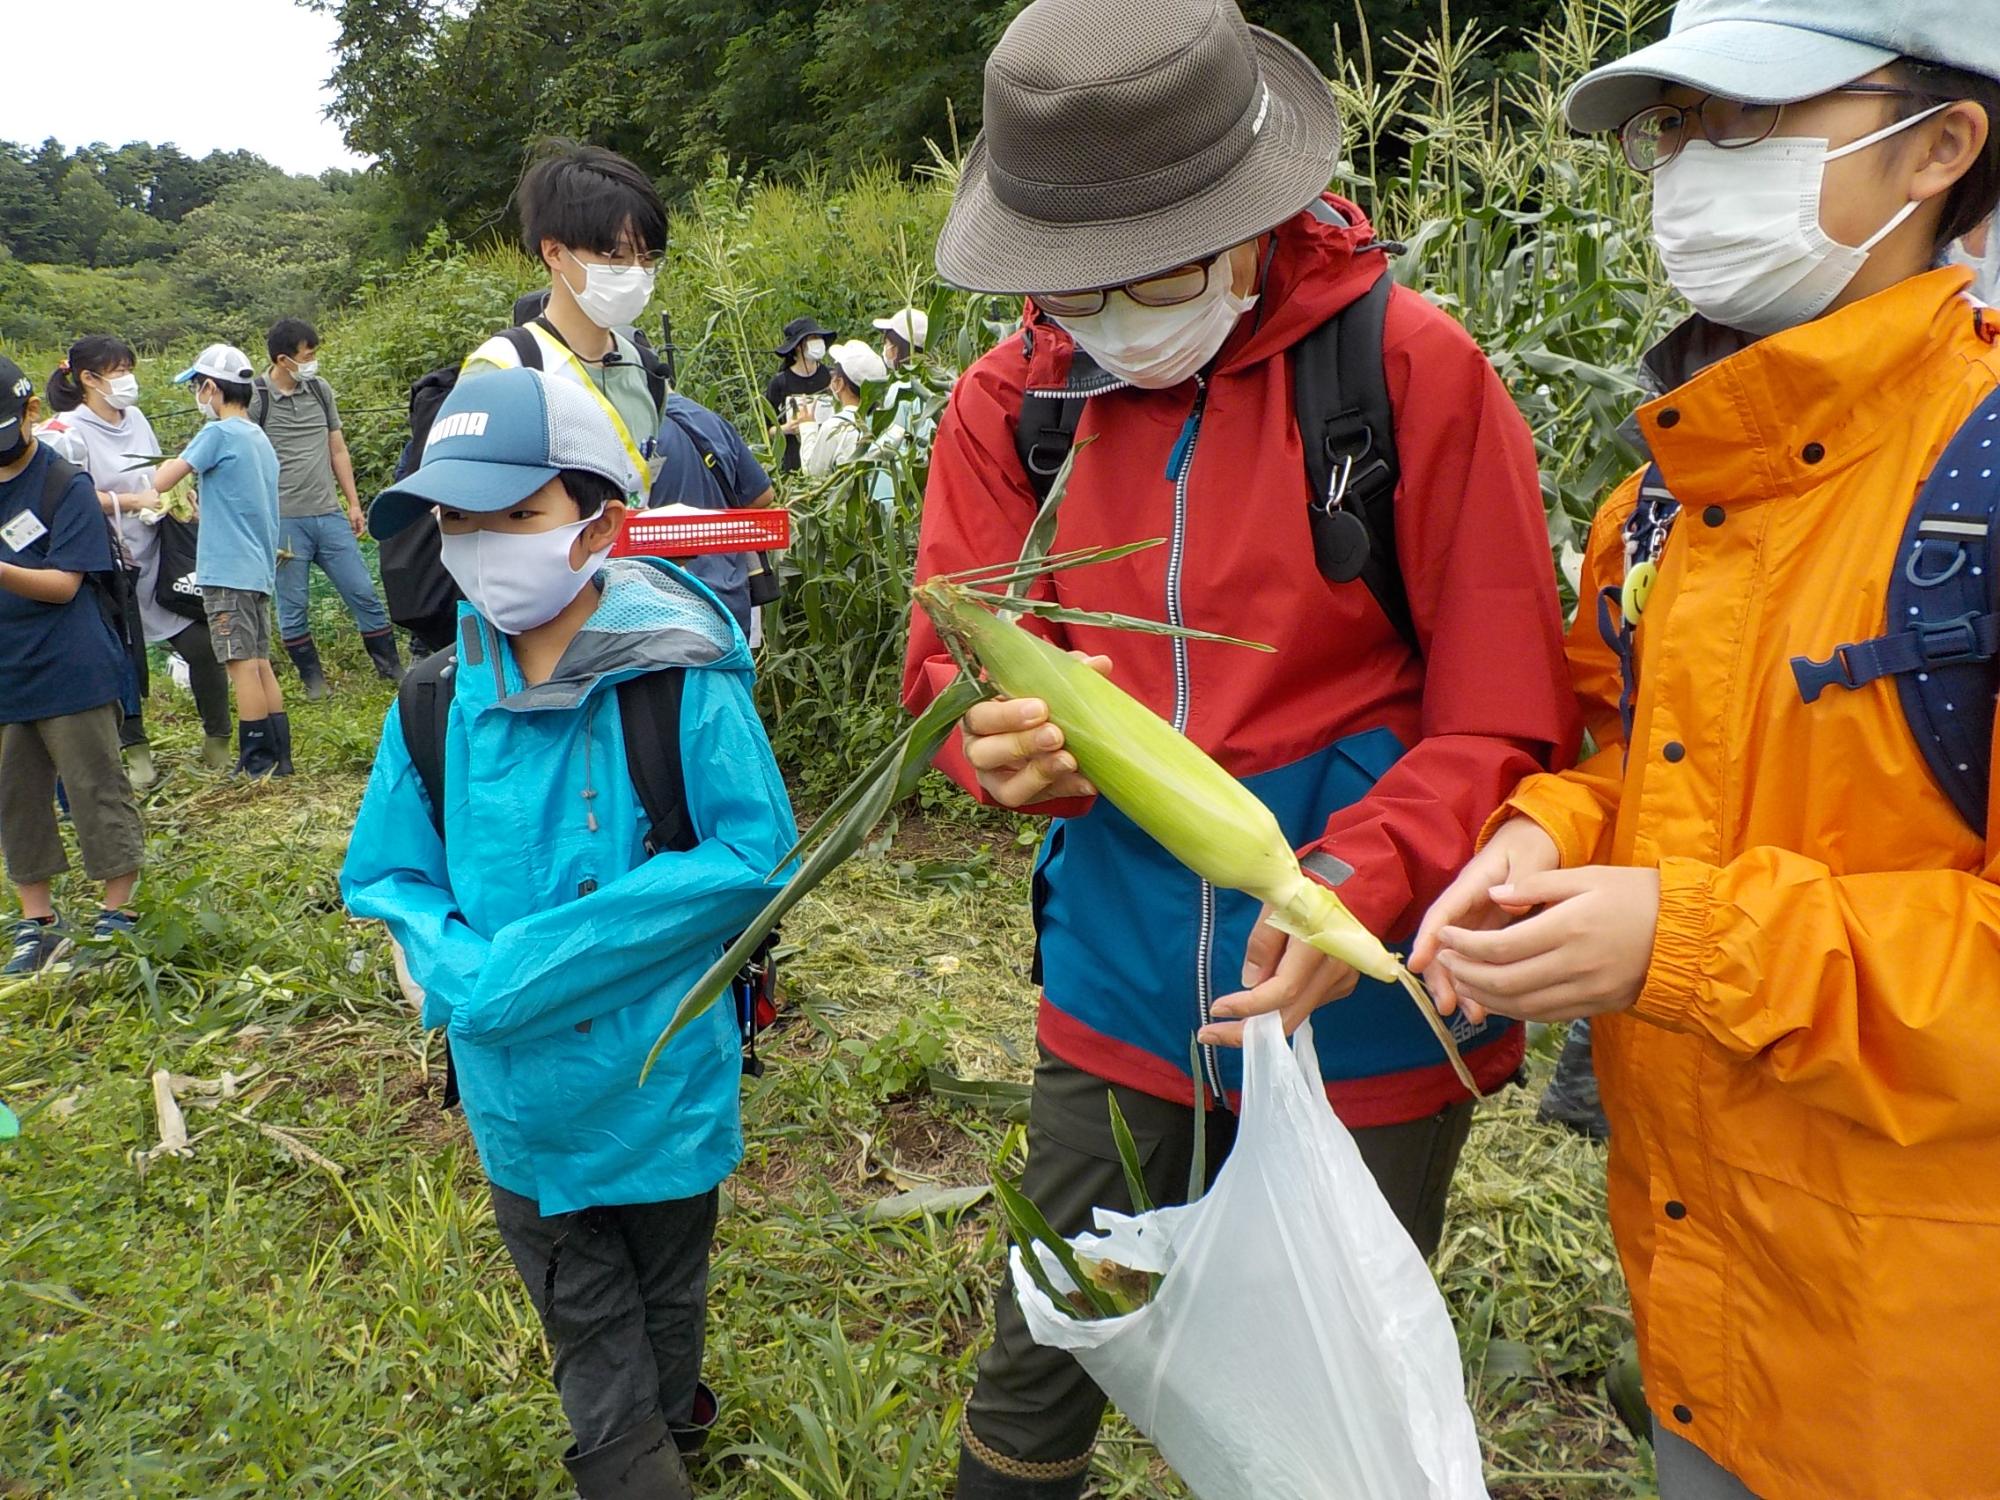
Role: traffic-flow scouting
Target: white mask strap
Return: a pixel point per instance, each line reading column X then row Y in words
column 1886, row 131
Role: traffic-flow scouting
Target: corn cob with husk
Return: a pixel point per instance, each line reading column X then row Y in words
column 1166, row 784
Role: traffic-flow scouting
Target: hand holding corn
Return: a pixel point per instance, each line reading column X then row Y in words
column 1018, row 755
column 1166, row 784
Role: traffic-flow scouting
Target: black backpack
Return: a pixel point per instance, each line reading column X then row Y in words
column 112, row 590
column 260, row 401
column 649, row 709
column 1347, row 427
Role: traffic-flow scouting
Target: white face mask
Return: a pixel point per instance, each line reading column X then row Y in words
column 1158, row 347
column 519, row 580
column 1985, row 269
column 307, row 370
column 815, row 350
column 1739, row 231
column 612, row 296
column 206, row 407
column 121, row 392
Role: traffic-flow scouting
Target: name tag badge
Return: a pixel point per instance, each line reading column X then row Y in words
column 23, row 531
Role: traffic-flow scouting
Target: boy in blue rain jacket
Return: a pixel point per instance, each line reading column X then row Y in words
column 549, row 946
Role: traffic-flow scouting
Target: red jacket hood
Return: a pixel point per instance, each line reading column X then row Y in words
column 1314, row 272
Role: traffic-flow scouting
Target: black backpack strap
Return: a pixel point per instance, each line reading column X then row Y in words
column 1045, row 435
column 1943, row 640
column 323, row 394
column 423, row 707
column 57, row 477
column 1347, row 426
column 527, row 348
column 260, row 401
column 650, row 709
column 709, row 458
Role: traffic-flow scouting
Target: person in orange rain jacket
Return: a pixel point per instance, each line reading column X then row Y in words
column 1775, row 880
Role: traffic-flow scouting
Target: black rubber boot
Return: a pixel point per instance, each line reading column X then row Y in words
column 382, row 651
column 643, row 1464
column 986, row 1475
column 305, row 657
column 281, row 743
column 256, row 755
column 1571, row 1098
column 692, row 1435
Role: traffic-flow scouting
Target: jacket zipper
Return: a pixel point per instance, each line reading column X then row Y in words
column 1180, row 465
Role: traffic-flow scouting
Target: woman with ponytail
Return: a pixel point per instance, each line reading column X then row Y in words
column 95, row 395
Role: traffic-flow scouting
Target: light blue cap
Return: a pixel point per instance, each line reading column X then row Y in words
column 1782, row 51
column 497, row 439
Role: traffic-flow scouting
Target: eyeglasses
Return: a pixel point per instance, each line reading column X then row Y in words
column 1168, row 289
column 1653, row 137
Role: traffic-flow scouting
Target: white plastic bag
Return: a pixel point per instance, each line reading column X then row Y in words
column 1298, row 1348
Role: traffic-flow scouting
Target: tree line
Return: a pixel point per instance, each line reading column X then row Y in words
column 447, row 94
column 183, row 240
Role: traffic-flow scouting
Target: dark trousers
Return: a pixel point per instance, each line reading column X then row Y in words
column 1036, row 1405
column 206, row 678
column 622, row 1294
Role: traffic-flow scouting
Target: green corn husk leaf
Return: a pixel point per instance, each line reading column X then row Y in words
column 1011, row 574
column 1128, row 1158
column 1029, row 1228
column 1169, row 786
column 1047, row 609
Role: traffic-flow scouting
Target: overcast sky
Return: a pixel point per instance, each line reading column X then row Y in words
column 249, row 74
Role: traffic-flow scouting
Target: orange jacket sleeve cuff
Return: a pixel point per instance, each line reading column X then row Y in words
column 1568, row 813
column 1677, row 978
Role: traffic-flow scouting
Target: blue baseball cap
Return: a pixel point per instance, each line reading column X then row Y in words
column 499, row 437
column 1782, row 51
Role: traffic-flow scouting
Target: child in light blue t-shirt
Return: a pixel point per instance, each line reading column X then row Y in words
column 236, row 555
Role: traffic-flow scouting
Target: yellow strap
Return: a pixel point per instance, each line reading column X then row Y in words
column 563, row 351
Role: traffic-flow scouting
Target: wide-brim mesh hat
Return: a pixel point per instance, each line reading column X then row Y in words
column 1126, row 137
column 1781, row 51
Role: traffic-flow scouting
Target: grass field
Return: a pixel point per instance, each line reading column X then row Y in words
column 313, row 1301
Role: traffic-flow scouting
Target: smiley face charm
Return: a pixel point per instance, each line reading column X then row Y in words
column 1638, row 589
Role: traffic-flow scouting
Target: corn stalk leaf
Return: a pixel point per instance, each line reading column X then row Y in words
column 898, row 776
column 951, row 704
column 1128, row 1157
column 1029, row 1228
column 1198, row 1171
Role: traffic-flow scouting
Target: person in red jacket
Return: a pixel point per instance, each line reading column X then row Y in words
column 1169, row 160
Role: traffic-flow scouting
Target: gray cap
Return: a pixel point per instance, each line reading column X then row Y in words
column 1782, row 51
column 1126, row 137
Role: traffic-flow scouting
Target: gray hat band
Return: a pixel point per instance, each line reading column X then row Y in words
column 1134, row 196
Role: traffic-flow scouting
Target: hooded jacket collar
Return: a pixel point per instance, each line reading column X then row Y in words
column 1316, row 266
column 1788, row 410
column 650, row 616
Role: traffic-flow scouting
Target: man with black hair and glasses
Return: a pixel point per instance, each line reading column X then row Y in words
column 596, row 222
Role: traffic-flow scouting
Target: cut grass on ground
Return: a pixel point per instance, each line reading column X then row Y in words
column 314, row 1300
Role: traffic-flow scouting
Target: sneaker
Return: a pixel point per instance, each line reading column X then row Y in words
column 112, row 924
column 36, row 945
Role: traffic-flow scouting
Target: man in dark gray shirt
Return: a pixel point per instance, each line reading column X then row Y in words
column 297, row 411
